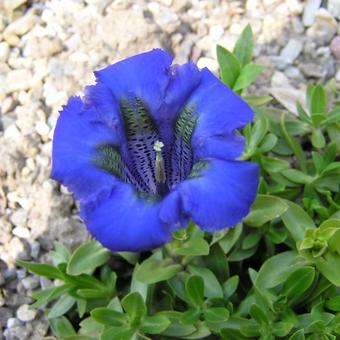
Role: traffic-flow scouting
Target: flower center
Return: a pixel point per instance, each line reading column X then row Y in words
column 141, row 158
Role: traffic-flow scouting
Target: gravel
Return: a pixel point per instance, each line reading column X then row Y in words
column 48, row 49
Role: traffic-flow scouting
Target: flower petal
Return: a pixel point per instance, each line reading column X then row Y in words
column 123, row 221
column 218, row 194
column 144, row 76
column 220, row 111
column 76, row 136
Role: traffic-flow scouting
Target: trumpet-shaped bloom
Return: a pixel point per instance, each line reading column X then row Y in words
column 151, row 146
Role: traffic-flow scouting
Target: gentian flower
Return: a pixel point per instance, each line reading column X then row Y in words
column 150, row 146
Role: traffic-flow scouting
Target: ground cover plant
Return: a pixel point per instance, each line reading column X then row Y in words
column 274, row 275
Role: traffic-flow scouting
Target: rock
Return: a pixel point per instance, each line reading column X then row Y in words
column 22, row 25
column 293, row 72
column 337, row 76
column 24, row 313
column 5, row 314
column 335, row 47
column 313, row 70
column 334, row 8
column 287, row 97
column 323, row 28
column 216, row 32
column 30, row 282
column 42, row 47
column 21, row 232
column 18, row 80
column 13, row 322
column 11, row 5
column 4, row 51
column 309, row 12
column 42, row 128
column 19, row 218
column 210, row 63
column 291, row 51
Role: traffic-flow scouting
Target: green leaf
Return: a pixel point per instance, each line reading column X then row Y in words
column 60, row 254
column 297, row 221
column 264, row 209
column 248, row 74
column 216, row 314
column 332, row 117
column 243, row 49
column 194, row 287
column 154, row 324
column 333, row 303
column 134, row 306
column 318, row 139
column 118, row 333
column 298, row 335
column 49, row 294
column 259, row 130
column 257, row 314
column 41, row 269
column 62, row 327
column 271, row 164
column 318, row 100
column 193, row 247
column 230, row 286
column 93, row 293
column 256, row 101
column 302, row 113
column 86, row 258
column 297, row 176
column 109, row 317
column 276, row 269
column 229, row 66
column 154, row 270
column 293, row 145
column 62, row 306
column 327, row 265
column 177, row 329
column 298, row 282
column 212, row 288
column 268, row 143
column 229, row 240
column 251, row 240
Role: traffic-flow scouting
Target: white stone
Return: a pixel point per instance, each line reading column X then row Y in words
column 42, row 128
column 4, row 51
column 324, row 27
column 19, row 80
column 292, row 50
column 337, row 76
column 309, row 12
column 334, row 8
column 211, row 64
column 25, row 314
column 21, row 232
column 216, row 32
column 21, row 25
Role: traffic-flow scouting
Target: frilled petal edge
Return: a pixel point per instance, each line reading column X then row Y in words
column 218, row 194
column 76, row 136
column 123, row 221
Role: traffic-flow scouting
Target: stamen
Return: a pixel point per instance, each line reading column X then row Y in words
column 159, row 164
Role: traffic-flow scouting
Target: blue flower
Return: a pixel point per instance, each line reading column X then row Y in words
column 151, row 146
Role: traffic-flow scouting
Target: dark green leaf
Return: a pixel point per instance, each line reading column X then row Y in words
column 195, row 290
column 212, row 288
column 41, row 269
column 230, row 286
column 216, row 314
column 244, row 46
column 264, row 209
column 298, row 335
column 248, row 75
column 62, row 328
column 229, row 66
column 155, row 324
column 153, row 270
column 318, row 100
column 298, row 282
column 118, row 333
column 86, row 258
column 109, row 317
column 193, row 247
column 258, row 314
column 62, row 306
column 134, row 306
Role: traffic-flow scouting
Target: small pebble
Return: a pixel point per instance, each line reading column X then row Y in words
column 24, row 313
